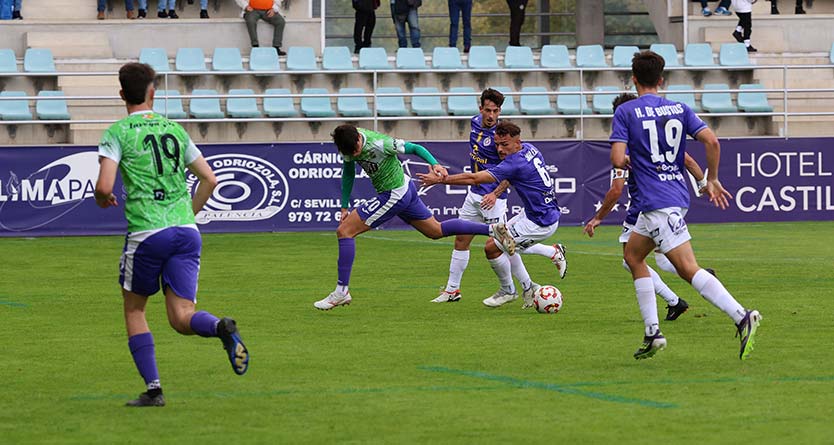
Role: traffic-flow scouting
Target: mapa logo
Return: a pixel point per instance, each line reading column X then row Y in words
column 248, row 189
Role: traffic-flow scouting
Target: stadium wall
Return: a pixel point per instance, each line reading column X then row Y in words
column 296, row 187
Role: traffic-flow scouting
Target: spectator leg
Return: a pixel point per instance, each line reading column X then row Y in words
column 414, row 27
column 454, row 17
column 251, row 19
column 369, row 30
column 467, row 23
column 278, row 33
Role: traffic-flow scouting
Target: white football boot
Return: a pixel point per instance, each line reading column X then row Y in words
column 500, row 298
column 527, row 296
column 333, row 300
column 447, row 297
column 560, row 260
column 502, row 234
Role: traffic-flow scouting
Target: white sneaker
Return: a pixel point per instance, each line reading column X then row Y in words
column 333, row 300
column 560, row 260
column 500, row 298
column 447, row 297
column 527, row 296
column 500, row 232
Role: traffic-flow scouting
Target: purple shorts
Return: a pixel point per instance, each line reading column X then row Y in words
column 402, row 202
column 169, row 257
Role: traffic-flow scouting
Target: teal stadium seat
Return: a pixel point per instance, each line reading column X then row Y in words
column 698, row 54
column 242, row 106
column 555, row 57
column 264, row 59
column 590, row 56
column 446, row 58
column 8, row 63
column 51, row 109
column 604, row 103
column 208, row 108
column 538, row 104
column 831, row 54
column 390, row 105
column 519, row 57
column 463, row 105
column 667, row 51
column 733, row 54
column 279, row 106
column 718, row 101
column 684, row 98
column 174, row 104
column 316, row 106
column 622, row 55
column 427, row 105
column 38, row 60
column 509, row 108
column 571, row 103
column 411, row 59
column 336, row 58
column 14, row 110
column 353, row 106
column 753, row 101
column 301, row 58
column 226, row 59
column 373, row 59
column 191, row 59
column 157, row 58
column 483, row 58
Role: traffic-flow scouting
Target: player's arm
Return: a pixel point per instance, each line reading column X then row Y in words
column 348, row 176
column 104, row 184
column 417, row 149
column 207, row 182
column 618, row 155
column 481, row 177
column 714, row 189
column 611, row 198
column 488, row 201
column 695, row 170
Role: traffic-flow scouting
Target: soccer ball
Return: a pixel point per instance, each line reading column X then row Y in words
column 547, row 299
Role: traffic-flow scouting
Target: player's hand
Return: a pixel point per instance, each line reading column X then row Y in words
column 110, row 201
column 589, row 228
column 249, row 9
column 628, row 162
column 270, row 12
column 717, row 194
column 488, row 201
column 439, row 170
column 344, row 214
column 427, row 179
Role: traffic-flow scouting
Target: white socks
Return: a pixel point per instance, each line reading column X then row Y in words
column 648, row 306
column 502, row 268
column 739, row 28
column 520, row 272
column 660, row 288
column 460, row 259
column 664, row 264
column 540, row 249
column 712, row 289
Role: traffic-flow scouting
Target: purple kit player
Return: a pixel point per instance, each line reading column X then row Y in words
column 162, row 244
column 654, row 130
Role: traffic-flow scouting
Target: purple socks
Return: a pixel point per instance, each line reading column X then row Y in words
column 347, row 251
column 460, row 227
column 142, row 349
column 204, row 324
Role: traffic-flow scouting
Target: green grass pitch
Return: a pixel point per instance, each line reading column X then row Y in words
column 394, row 368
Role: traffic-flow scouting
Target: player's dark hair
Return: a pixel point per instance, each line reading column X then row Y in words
column 622, row 98
column 494, row 96
column 647, row 67
column 507, row 128
column 345, row 137
column 135, row 79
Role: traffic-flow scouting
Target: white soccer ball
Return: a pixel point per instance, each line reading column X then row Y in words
column 547, row 299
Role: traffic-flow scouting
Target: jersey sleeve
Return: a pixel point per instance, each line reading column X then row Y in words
column 109, row 147
column 504, row 170
column 619, row 128
column 191, row 152
column 694, row 124
column 393, row 146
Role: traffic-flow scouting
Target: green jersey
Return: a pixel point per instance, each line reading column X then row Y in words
column 379, row 160
column 152, row 153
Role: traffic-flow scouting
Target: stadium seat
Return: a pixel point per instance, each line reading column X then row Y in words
column 698, row 54
column 208, row 108
column 38, row 60
column 427, row 105
column 191, row 59
column 157, row 58
column 336, row 58
column 604, row 103
column 519, row 57
column 622, row 55
column 373, row 59
column 51, row 109
column 733, row 54
column 684, row 98
column 316, row 106
column 264, row 59
column 483, row 58
column 174, row 104
column 831, row 54
column 718, row 102
column 8, row 63
column 509, row 107
column 590, row 56
column 390, row 105
column 667, row 51
column 463, row 105
column 753, row 102
column 535, row 104
column 411, row 59
column 571, row 103
column 242, row 106
column 301, row 58
column 14, row 110
column 279, row 106
column 226, row 59
column 446, row 58
column 353, row 106
column 555, row 56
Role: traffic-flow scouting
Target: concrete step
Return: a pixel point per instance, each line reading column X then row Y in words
column 72, row 44
column 69, row 10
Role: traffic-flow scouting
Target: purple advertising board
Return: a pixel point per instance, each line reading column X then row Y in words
column 296, row 187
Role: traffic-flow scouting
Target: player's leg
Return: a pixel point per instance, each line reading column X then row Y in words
column 500, row 263
column 675, row 306
column 470, row 210
column 639, row 245
column 349, row 228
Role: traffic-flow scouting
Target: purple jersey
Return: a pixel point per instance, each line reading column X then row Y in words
column 527, row 172
column 654, row 130
column 483, row 154
column 632, row 212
